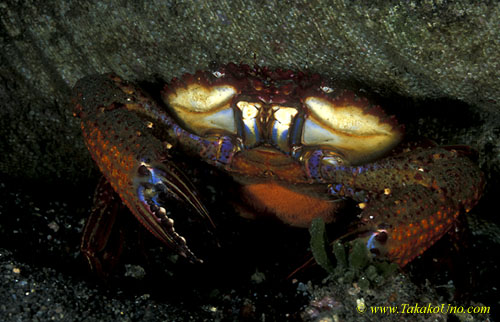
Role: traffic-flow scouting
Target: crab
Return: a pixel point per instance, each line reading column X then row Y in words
column 297, row 145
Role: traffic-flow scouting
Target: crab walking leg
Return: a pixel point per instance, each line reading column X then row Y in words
column 410, row 200
column 135, row 163
column 102, row 240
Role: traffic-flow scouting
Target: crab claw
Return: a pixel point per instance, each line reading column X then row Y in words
column 117, row 125
column 155, row 183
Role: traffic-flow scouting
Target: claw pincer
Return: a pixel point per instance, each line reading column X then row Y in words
column 408, row 201
column 135, row 163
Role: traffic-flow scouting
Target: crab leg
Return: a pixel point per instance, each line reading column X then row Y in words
column 102, row 240
column 409, row 201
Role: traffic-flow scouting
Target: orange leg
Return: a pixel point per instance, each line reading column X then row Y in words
column 102, row 240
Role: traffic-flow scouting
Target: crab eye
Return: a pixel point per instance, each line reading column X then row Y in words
column 203, row 108
column 326, row 89
column 218, row 74
column 347, row 126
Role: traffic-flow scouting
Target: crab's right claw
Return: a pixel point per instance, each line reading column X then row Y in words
column 157, row 183
column 117, row 123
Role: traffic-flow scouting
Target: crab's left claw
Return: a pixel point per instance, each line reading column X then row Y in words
column 409, row 200
column 155, row 184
